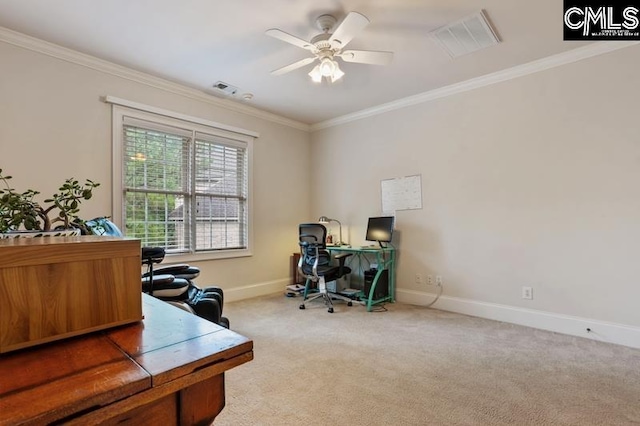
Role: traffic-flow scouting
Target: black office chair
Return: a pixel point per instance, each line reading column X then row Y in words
column 316, row 266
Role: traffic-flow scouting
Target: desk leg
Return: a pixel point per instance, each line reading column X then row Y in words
column 392, row 277
column 383, row 265
column 371, row 300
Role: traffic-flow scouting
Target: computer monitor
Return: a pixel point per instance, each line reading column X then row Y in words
column 380, row 229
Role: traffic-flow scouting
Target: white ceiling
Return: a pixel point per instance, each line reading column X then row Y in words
column 199, row 42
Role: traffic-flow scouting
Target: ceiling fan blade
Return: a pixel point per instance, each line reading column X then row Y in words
column 367, row 57
column 350, row 26
column 288, row 38
column 293, row 66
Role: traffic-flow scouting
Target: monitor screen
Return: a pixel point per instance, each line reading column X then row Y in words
column 380, row 229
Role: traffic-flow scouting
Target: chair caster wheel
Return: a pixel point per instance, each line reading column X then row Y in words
column 330, row 310
column 301, row 306
column 349, row 304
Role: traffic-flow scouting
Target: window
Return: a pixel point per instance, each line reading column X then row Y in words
column 183, row 185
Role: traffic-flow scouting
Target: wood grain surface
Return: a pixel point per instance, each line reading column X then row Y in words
column 54, row 288
column 167, row 369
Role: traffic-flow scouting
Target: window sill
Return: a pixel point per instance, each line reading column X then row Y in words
column 211, row 255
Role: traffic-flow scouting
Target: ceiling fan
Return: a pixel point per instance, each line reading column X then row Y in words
column 329, row 45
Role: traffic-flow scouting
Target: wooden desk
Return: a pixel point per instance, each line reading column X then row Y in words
column 166, row 369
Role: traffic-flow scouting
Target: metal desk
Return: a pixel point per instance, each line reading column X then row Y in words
column 384, row 258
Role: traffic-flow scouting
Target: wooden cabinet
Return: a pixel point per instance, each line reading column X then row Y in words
column 167, row 369
column 54, row 288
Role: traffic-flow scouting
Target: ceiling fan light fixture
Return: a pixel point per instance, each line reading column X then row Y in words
column 315, row 74
column 327, row 67
column 337, row 73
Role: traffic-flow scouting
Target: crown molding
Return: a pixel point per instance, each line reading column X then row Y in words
column 31, row 43
column 560, row 59
column 63, row 53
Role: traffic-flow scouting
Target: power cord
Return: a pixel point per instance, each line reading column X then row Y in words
column 437, row 296
column 379, row 308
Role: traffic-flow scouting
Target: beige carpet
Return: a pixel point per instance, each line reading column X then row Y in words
column 419, row 366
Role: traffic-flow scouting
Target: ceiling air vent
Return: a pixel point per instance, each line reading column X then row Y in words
column 225, row 89
column 466, row 35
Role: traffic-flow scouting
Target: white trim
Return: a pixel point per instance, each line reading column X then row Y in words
column 207, row 255
column 588, row 51
column 31, row 43
column 116, row 167
column 566, row 324
column 255, row 290
column 122, row 109
column 50, row 49
column 172, row 114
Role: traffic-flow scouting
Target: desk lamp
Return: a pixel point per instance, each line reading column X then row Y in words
column 324, row 219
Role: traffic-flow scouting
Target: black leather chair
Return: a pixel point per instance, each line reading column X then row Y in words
column 317, row 266
column 171, row 283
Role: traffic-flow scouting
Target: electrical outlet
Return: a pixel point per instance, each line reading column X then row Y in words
column 429, row 279
column 438, row 280
column 419, row 279
column 527, row 293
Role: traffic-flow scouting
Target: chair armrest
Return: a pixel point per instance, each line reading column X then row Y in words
column 342, row 257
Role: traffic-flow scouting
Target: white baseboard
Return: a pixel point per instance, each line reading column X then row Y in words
column 255, row 290
column 576, row 326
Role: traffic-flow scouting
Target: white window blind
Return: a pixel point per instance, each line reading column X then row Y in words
column 220, row 189
column 183, row 188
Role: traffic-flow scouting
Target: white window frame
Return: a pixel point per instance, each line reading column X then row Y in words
column 122, row 108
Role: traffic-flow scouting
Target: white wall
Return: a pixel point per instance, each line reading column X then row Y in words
column 53, row 125
column 529, row 182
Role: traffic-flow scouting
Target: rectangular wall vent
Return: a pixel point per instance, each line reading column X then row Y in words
column 225, row 88
column 466, row 35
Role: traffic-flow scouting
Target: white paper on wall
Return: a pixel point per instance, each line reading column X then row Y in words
column 404, row 193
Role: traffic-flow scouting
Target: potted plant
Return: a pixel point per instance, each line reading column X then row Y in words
column 20, row 212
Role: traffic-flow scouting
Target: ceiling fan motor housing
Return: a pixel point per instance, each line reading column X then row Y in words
column 326, row 23
column 322, row 44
